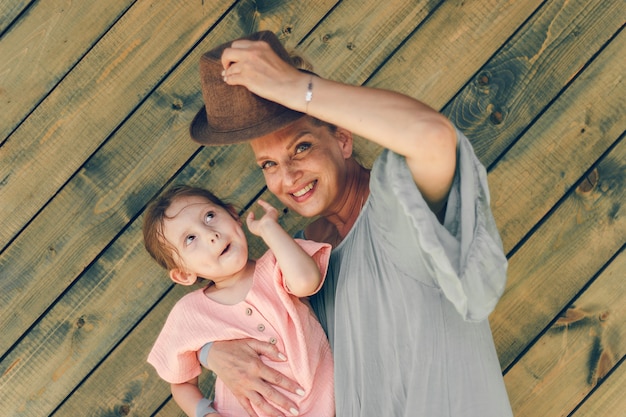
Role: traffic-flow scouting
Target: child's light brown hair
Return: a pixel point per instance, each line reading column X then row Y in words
column 154, row 218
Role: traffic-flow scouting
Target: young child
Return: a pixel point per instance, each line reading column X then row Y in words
column 193, row 234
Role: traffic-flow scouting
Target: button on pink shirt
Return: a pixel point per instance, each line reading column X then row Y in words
column 268, row 313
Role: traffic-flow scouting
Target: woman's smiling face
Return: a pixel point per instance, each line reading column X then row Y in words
column 305, row 165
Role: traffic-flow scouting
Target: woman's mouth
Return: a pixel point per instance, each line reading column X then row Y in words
column 225, row 249
column 304, row 189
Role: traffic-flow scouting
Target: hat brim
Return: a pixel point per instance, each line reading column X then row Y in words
column 202, row 132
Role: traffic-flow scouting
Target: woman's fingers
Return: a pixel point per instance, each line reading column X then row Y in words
column 237, row 364
column 254, row 65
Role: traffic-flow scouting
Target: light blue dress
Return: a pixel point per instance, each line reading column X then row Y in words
column 406, row 300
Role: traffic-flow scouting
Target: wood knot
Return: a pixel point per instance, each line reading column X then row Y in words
column 80, row 322
column 496, row 117
column 589, row 182
column 124, row 410
column 287, row 30
column 326, row 38
column 351, row 46
column 177, row 104
column 603, row 316
column 483, row 79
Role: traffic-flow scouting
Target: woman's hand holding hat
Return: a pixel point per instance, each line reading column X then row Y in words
column 256, row 66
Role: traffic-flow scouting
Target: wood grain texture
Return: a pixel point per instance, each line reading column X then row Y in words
column 113, row 78
column 560, row 146
column 561, row 256
column 537, row 86
column 450, row 45
column 608, row 399
column 581, row 347
column 31, row 55
column 99, row 212
column 95, row 194
column 10, row 10
column 539, row 61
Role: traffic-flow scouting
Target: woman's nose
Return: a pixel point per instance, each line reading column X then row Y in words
column 291, row 173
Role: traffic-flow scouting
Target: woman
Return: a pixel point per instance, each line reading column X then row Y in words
column 417, row 264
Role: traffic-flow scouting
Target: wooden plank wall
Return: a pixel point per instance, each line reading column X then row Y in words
column 96, row 100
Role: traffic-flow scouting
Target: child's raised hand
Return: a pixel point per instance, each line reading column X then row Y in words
column 257, row 227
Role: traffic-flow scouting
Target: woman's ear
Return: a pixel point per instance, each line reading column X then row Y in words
column 183, row 278
column 344, row 137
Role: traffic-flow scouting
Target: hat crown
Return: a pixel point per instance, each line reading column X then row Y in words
column 233, row 113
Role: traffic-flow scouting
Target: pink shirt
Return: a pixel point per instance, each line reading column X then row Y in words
column 268, row 313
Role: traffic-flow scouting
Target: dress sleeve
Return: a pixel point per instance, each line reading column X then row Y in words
column 173, row 354
column 464, row 256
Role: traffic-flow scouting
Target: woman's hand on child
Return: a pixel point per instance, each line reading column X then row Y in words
column 237, row 363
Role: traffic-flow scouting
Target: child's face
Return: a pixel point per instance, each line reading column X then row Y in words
column 209, row 242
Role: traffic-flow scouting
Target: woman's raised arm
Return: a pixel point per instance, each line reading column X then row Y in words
column 395, row 121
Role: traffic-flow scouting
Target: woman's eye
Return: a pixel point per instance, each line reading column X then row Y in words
column 189, row 240
column 267, row 164
column 301, row 147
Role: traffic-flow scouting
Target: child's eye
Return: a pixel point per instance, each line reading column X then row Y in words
column 301, row 147
column 209, row 216
column 189, row 240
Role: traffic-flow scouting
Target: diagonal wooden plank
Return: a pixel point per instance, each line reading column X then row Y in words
column 581, row 347
column 88, row 105
column 72, row 137
column 437, row 61
column 555, row 152
column 608, row 399
column 363, row 36
column 545, row 54
column 10, row 10
column 30, row 63
column 71, row 360
column 558, row 260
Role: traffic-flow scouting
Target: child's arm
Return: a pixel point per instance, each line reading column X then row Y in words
column 187, row 395
column 301, row 273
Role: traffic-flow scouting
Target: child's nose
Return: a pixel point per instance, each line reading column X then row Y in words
column 213, row 236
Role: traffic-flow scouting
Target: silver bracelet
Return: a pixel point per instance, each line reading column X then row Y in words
column 309, row 94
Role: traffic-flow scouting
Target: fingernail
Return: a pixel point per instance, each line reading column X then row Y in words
column 294, row 412
column 223, row 73
column 282, row 357
column 300, row 392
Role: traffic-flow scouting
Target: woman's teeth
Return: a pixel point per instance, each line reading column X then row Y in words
column 303, row 191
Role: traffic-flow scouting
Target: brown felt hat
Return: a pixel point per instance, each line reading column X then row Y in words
column 233, row 114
